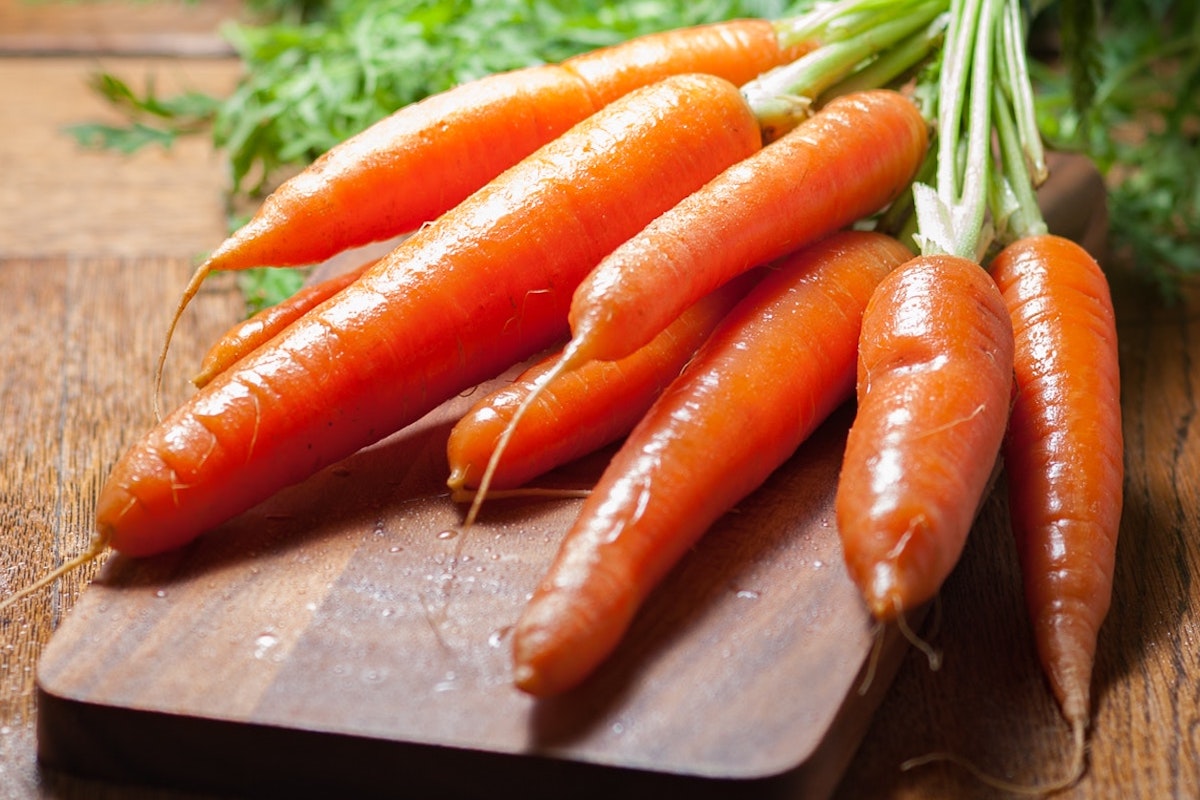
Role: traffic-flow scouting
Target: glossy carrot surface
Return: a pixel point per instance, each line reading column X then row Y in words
column 935, row 375
column 425, row 158
column 458, row 302
column 847, row 161
column 580, row 411
column 781, row 361
column 247, row 335
column 1064, row 453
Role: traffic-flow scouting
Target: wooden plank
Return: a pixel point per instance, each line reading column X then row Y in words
column 116, row 27
column 58, row 198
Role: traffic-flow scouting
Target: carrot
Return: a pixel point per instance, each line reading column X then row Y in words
column 848, row 160
column 780, row 362
column 248, row 334
column 818, row 173
column 581, row 411
column 1063, row 453
column 934, row 381
column 465, row 297
column 427, row 157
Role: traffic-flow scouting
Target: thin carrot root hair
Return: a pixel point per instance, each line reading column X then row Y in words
column 932, row 654
column 1073, row 775
column 873, row 659
column 95, row 549
column 879, row 634
column 463, row 495
column 185, row 299
column 566, row 362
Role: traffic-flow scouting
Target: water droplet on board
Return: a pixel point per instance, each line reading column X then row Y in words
column 263, row 643
column 496, row 638
column 748, row 594
column 449, row 533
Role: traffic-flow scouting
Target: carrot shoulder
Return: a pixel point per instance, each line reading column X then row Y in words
column 847, row 161
column 770, row 373
column 934, row 385
column 461, row 300
column 425, row 158
column 580, row 411
column 1064, row 452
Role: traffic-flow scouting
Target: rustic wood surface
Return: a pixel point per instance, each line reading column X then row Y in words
column 94, row 242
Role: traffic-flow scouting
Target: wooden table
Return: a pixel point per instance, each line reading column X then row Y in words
column 93, row 246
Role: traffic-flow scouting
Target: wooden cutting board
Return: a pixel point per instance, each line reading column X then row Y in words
column 334, row 642
column 340, row 640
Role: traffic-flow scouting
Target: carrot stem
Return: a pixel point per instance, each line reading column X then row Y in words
column 1019, row 89
column 781, row 97
column 892, row 62
column 951, row 215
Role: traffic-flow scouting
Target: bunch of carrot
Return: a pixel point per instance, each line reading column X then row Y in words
column 693, row 244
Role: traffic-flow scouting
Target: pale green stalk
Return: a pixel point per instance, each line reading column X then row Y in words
column 782, row 97
column 950, row 215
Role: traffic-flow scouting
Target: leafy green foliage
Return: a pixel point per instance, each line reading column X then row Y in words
column 1142, row 129
column 265, row 286
column 151, row 119
column 318, row 71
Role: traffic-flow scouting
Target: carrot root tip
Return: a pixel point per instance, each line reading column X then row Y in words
column 932, row 654
column 872, row 660
column 1078, row 766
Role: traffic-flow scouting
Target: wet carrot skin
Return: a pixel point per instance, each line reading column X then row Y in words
column 321, row 209
column 1064, row 452
column 738, row 50
column 442, row 148
column 775, row 368
column 849, row 160
column 458, row 302
column 583, row 410
column 933, row 387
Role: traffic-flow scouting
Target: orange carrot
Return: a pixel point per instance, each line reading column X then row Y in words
column 934, row 383
column 581, row 411
column 1063, row 453
column 248, row 334
column 780, row 362
column 847, row 161
column 427, row 157
column 462, row 299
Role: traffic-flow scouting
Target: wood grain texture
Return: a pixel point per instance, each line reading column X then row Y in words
column 75, row 382
column 74, row 266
